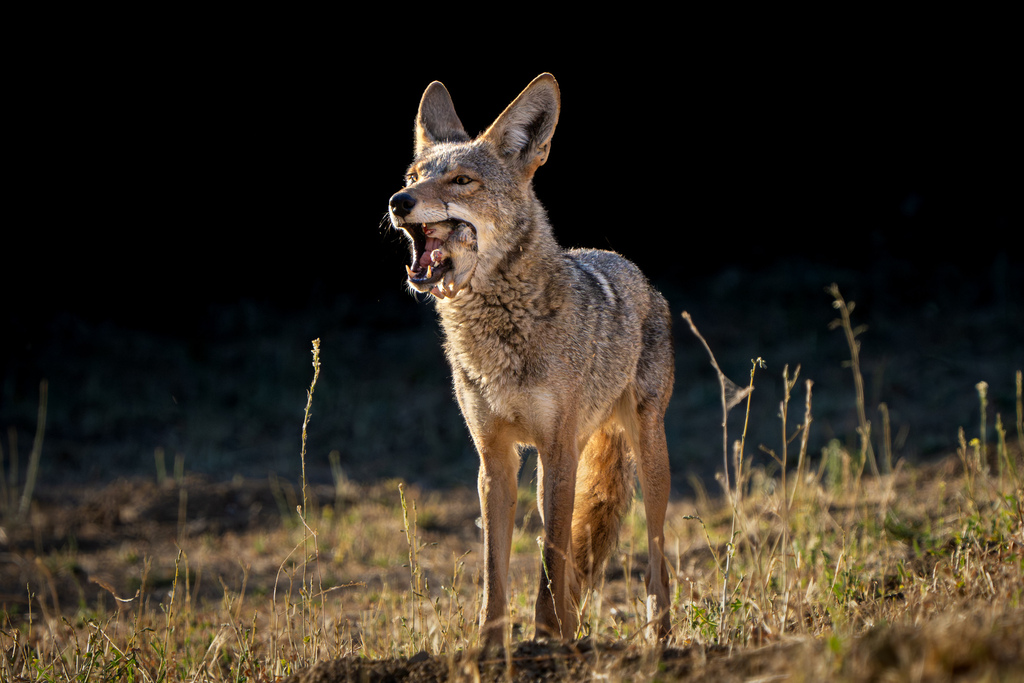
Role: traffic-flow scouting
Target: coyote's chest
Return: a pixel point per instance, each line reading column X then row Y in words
column 489, row 344
column 493, row 347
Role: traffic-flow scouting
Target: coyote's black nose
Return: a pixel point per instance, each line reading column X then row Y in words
column 402, row 204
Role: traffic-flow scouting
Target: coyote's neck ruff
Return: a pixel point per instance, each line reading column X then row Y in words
column 566, row 350
column 495, row 327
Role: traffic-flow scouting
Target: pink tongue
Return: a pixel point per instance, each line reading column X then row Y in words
column 432, row 244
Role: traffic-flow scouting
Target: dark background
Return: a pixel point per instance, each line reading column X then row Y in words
column 191, row 208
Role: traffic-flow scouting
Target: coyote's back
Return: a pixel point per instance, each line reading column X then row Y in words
column 568, row 351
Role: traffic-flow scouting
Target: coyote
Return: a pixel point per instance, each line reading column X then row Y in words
column 569, row 351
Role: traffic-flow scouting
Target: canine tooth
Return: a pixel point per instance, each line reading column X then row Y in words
column 429, row 268
column 408, row 270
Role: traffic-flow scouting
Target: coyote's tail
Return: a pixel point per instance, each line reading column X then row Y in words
column 604, row 489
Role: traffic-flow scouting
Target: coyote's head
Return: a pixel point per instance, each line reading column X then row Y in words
column 469, row 202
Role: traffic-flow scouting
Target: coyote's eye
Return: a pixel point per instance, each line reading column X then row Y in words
column 462, row 180
column 411, row 178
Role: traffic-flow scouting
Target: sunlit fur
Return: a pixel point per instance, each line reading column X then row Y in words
column 566, row 350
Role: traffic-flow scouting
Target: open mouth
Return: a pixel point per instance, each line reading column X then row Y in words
column 431, row 259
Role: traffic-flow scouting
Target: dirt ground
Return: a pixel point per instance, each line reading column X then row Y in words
column 947, row 649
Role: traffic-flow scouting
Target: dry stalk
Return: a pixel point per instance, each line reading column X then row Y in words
column 731, row 395
column 864, row 428
column 1020, row 416
column 307, row 590
column 37, row 451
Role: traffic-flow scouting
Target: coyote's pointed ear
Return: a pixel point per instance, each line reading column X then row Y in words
column 523, row 131
column 437, row 121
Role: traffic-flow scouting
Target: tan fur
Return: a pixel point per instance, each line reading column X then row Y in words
column 568, row 351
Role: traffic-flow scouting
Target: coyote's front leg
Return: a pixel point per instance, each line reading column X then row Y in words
column 499, row 467
column 556, row 491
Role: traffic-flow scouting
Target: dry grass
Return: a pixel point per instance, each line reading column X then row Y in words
column 804, row 566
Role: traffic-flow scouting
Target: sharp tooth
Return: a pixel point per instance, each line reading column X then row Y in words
column 429, row 268
column 409, row 270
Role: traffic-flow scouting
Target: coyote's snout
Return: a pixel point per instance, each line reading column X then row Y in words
column 568, row 351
